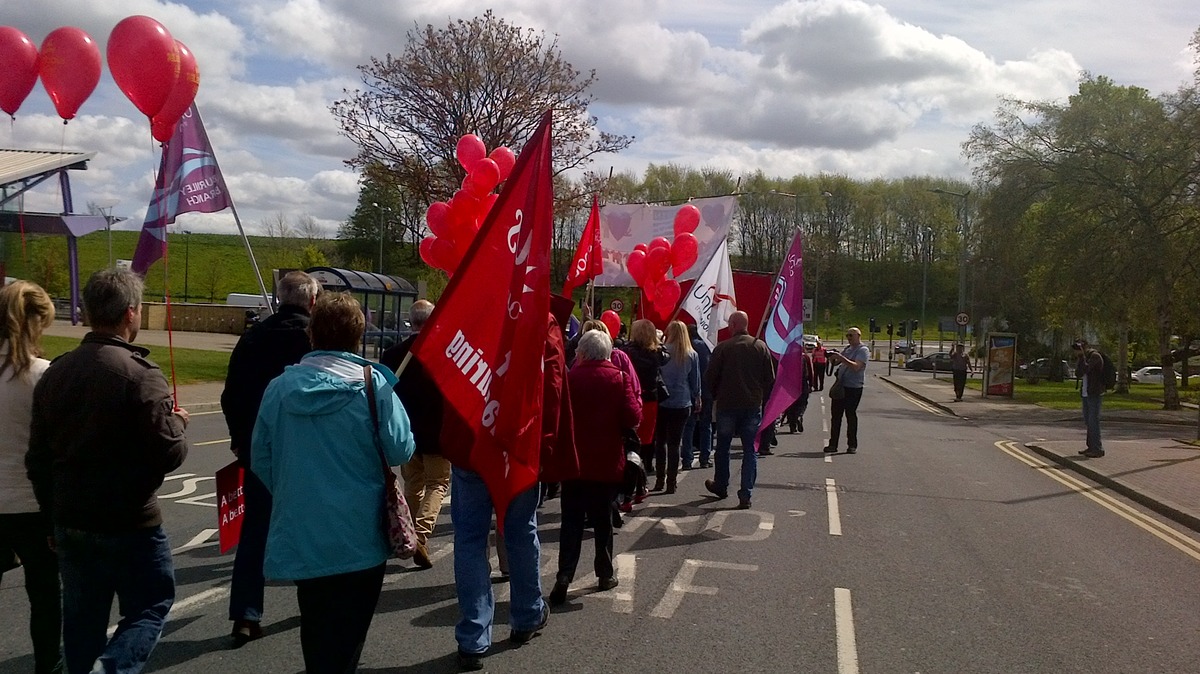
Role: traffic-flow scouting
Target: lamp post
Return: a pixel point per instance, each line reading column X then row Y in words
column 381, row 210
column 962, row 255
column 187, row 246
column 106, row 211
column 926, row 253
column 796, row 216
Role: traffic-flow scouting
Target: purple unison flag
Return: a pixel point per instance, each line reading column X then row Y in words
column 189, row 181
column 784, row 333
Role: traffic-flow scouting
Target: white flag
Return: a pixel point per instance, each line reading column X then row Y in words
column 711, row 300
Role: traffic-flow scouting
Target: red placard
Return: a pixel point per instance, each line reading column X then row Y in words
column 231, row 505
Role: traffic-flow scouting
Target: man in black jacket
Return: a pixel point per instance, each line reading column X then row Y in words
column 104, row 434
column 260, row 355
column 427, row 474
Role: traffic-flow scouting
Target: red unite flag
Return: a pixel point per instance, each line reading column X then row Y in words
column 589, row 257
column 484, row 342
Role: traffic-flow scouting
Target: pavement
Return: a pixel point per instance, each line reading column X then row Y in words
column 1160, row 471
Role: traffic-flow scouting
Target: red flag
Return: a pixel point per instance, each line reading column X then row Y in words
column 231, row 505
column 589, row 258
column 483, row 345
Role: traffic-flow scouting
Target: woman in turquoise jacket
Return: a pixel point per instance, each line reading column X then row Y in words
column 313, row 449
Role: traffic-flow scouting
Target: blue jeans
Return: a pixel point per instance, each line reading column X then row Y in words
column 697, row 435
column 246, row 587
column 1091, row 420
column 743, row 423
column 136, row 567
column 471, row 513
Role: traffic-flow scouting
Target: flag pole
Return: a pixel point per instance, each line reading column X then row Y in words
column 262, row 287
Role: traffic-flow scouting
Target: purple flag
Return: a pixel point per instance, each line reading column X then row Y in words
column 784, row 333
column 189, row 181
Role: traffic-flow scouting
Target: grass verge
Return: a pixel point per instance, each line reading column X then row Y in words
column 192, row 366
column 1064, row 395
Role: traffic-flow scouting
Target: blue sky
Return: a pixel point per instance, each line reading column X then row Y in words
column 882, row 89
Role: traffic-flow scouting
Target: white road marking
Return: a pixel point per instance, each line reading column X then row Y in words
column 209, row 596
column 197, row 541
column 210, row 442
column 766, row 524
column 626, row 564
column 177, row 476
column 835, row 517
column 199, row 500
column 200, row 414
column 682, row 584
column 190, row 485
column 847, row 647
column 797, row 513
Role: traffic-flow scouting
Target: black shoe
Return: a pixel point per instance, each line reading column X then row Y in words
column 521, row 637
column 245, row 631
column 1094, row 454
column 852, row 450
column 712, row 489
column 706, row 464
column 765, row 452
column 800, row 428
column 830, row 450
column 1084, row 451
column 607, row 584
column 743, row 504
column 558, row 596
column 470, row 662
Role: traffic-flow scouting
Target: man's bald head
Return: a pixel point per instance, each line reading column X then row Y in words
column 739, row 322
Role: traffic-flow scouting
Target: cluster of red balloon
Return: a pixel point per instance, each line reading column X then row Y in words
column 455, row 223
column 154, row 70
column 68, row 65
column 648, row 264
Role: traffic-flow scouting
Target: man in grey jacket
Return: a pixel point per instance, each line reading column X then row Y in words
column 97, row 476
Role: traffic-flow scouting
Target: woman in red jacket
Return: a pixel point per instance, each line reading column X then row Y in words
column 604, row 402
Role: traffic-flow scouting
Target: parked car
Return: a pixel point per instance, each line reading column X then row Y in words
column 1041, row 369
column 809, row 341
column 1150, row 375
column 906, row 348
column 935, row 361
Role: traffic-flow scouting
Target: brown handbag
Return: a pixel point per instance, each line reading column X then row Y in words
column 397, row 518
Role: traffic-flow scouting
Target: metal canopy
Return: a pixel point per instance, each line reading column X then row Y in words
column 354, row 281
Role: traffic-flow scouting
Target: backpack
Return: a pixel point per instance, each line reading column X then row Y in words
column 1110, row 372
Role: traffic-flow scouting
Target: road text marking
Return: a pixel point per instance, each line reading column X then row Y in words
column 683, row 584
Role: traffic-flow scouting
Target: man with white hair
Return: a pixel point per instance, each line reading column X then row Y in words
column 740, row 374
column 261, row 354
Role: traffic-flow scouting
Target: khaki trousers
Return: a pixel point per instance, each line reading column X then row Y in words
column 426, row 481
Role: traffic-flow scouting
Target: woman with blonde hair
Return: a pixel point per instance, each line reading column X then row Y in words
column 681, row 374
column 648, row 358
column 25, row 312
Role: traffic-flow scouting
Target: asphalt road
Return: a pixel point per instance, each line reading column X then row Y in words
column 940, row 547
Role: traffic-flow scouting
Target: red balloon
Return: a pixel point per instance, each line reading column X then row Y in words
column 469, row 150
column 440, row 253
column 187, row 83
column 687, row 219
column 487, row 203
column 658, row 261
column 636, row 264
column 69, row 65
column 612, row 321
column 485, row 174
column 505, row 160
column 659, row 242
column 666, row 295
column 144, row 61
column 684, row 252
column 19, row 63
column 436, row 218
column 642, row 247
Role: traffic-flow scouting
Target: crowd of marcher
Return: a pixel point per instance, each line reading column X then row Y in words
column 314, row 425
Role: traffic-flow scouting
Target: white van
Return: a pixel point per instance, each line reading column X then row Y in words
column 247, row 300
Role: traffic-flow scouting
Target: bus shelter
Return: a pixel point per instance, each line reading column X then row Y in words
column 386, row 301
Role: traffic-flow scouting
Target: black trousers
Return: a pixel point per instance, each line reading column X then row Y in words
column 667, row 437
column 960, row 383
column 819, row 370
column 27, row 535
column 584, row 499
column 335, row 614
column 849, row 407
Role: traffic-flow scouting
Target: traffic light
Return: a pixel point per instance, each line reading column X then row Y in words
column 913, row 331
column 901, row 329
column 889, row 329
column 874, row 328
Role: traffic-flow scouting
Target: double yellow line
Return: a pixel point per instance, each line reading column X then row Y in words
column 1176, row 539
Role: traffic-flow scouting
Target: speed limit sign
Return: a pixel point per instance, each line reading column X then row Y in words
column 962, row 318
column 617, row 305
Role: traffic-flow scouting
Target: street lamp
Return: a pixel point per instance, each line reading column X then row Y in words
column 187, row 246
column 962, row 255
column 381, row 210
column 926, row 253
column 106, row 211
column 816, row 268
